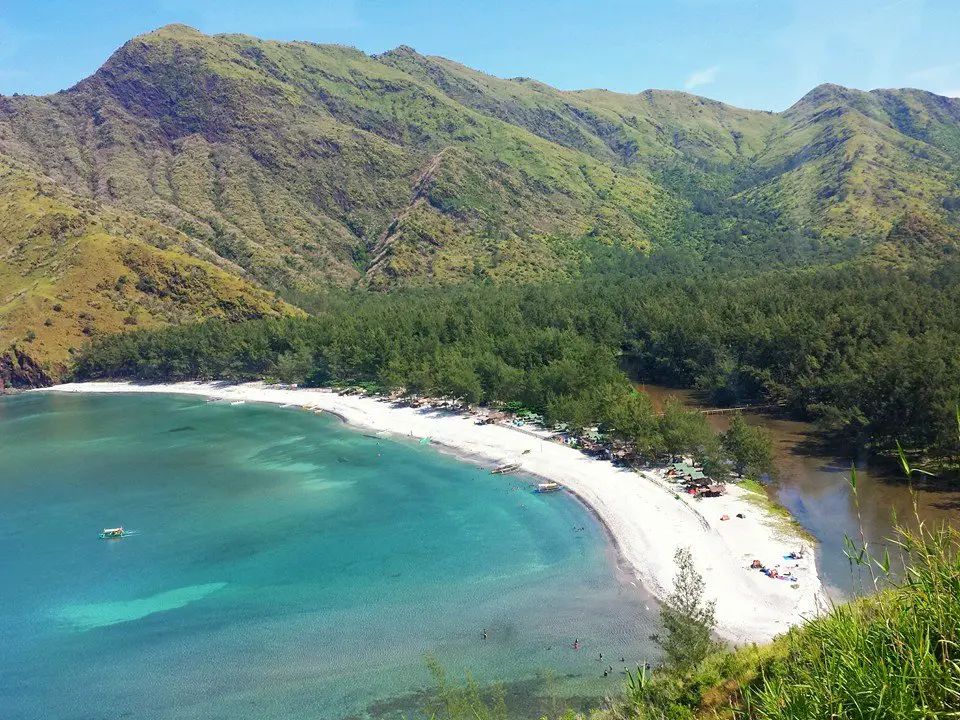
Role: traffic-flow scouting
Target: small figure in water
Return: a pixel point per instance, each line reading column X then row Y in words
column 484, row 634
column 576, row 644
column 601, row 657
column 621, row 659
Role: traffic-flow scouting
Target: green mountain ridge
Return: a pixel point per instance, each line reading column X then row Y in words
column 299, row 166
column 316, row 164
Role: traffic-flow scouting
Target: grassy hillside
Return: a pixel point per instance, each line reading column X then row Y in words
column 309, row 165
column 70, row 271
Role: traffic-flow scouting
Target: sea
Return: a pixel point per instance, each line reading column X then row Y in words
column 280, row 564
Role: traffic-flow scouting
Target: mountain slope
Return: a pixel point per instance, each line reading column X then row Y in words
column 70, row 270
column 841, row 162
column 297, row 160
column 307, row 165
column 840, row 165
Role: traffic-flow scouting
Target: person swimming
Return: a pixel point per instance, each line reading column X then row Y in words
column 576, row 644
column 484, row 634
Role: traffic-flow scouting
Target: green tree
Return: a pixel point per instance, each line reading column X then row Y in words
column 456, row 377
column 685, row 431
column 688, row 619
column 748, row 446
column 294, row 366
column 632, row 417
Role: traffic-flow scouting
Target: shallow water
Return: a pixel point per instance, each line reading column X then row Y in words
column 283, row 566
column 814, row 485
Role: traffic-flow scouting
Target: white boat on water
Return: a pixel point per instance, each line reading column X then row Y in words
column 112, row 533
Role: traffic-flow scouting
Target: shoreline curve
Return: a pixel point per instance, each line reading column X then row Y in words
column 645, row 523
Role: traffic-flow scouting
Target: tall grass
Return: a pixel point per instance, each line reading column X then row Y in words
column 893, row 654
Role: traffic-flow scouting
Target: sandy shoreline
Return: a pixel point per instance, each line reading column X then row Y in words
column 646, row 522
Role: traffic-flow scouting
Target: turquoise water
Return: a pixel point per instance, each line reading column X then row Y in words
column 282, row 566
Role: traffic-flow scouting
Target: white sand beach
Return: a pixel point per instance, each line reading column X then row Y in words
column 647, row 522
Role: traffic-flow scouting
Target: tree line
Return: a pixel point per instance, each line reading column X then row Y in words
column 873, row 355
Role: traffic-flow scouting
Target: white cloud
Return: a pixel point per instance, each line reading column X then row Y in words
column 702, row 77
column 950, row 93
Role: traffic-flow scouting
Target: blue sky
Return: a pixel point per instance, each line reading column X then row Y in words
column 753, row 53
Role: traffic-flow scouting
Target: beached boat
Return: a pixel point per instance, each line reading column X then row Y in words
column 548, row 487
column 111, row 533
column 506, row 469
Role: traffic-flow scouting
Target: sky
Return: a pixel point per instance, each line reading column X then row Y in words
column 760, row 54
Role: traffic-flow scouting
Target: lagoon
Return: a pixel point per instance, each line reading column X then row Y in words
column 283, row 566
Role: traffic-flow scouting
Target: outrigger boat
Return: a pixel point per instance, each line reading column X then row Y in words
column 505, row 469
column 111, row 533
column 548, row 487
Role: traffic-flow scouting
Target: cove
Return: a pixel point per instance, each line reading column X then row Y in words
column 283, row 566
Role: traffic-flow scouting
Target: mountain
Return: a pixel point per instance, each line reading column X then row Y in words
column 295, row 166
column 308, row 164
column 70, row 269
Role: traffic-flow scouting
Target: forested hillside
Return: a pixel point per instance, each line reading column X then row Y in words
column 300, row 168
column 872, row 355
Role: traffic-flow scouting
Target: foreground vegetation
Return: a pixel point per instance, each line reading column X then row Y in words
column 890, row 654
column 873, row 356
